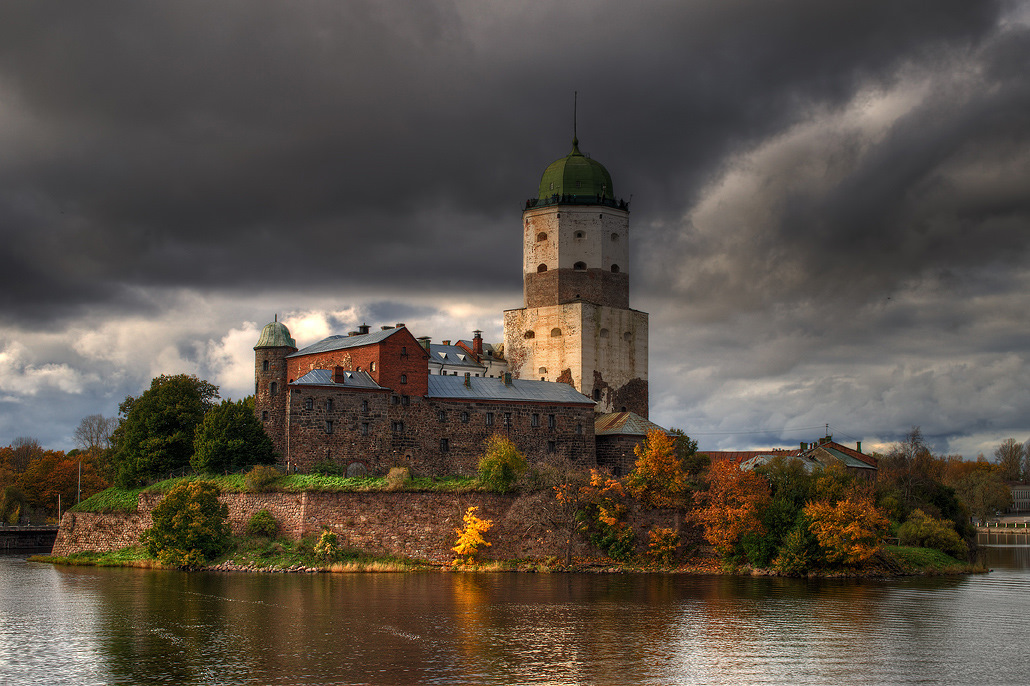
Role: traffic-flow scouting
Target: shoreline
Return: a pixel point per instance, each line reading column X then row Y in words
column 705, row 567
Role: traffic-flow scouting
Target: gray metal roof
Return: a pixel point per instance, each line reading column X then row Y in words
column 623, row 424
column 324, row 377
column 452, row 356
column 341, row 342
column 845, row 458
column 524, row 390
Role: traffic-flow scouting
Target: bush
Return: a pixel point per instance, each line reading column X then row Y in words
column 501, row 464
column 397, row 477
column 327, row 549
column 328, row 467
column 261, row 478
column 614, row 540
column 262, row 523
column 470, row 537
column 794, row 555
column 663, row 544
column 190, row 526
column 923, row 531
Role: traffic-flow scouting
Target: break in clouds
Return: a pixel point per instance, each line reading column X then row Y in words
column 829, row 204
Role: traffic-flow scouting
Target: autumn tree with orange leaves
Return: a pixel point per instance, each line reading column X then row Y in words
column 849, row 531
column 658, row 479
column 732, row 506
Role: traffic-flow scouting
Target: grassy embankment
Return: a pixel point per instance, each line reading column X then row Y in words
column 116, row 499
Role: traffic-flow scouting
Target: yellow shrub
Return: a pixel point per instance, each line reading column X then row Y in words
column 471, row 536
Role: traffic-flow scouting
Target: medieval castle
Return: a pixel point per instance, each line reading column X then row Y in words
column 570, row 380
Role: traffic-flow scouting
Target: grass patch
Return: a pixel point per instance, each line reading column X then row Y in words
column 929, row 561
column 133, row 556
column 108, row 501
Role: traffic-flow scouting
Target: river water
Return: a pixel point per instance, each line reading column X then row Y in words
column 84, row 625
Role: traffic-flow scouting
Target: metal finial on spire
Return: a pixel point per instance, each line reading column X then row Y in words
column 575, row 104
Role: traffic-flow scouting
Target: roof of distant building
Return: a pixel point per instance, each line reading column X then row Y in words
column 623, row 424
column 524, row 390
column 452, row 355
column 340, row 342
column 324, row 377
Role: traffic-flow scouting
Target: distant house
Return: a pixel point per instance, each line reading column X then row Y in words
column 821, row 453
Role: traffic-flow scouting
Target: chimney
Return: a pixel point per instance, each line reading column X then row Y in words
column 352, row 333
column 363, row 328
column 477, row 342
column 858, row 446
column 506, row 378
column 424, row 342
column 338, row 375
column 385, row 327
column 468, row 380
column 804, row 446
column 446, row 341
column 400, row 325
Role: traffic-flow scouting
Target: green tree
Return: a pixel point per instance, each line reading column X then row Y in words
column 927, row 532
column 984, row 493
column 501, row 464
column 157, row 430
column 230, row 438
column 189, row 526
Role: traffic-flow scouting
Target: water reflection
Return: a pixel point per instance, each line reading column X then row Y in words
column 84, row 626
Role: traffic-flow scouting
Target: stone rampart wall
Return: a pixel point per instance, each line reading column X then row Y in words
column 417, row 525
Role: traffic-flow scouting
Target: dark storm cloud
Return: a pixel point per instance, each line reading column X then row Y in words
column 341, row 144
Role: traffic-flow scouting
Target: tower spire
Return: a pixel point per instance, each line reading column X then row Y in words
column 575, row 103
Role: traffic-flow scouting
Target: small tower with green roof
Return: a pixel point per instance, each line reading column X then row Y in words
column 270, row 383
column 577, row 325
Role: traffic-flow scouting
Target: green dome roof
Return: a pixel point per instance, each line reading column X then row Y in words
column 275, row 335
column 578, row 175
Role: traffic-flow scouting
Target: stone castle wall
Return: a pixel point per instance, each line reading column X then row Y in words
column 417, row 525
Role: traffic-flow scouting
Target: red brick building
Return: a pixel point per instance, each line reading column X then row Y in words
column 367, row 402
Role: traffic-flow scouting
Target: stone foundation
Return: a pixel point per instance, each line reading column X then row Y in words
column 416, row 525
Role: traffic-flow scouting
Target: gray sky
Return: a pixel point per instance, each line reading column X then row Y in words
column 830, row 200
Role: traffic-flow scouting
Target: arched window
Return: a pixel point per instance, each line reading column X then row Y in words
column 372, row 367
column 273, row 388
column 627, row 336
column 541, row 268
column 579, row 234
column 555, row 332
column 615, row 237
column 580, row 266
column 615, row 269
column 541, row 237
column 264, row 366
column 604, row 333
column 530, row 334
column 543, row 370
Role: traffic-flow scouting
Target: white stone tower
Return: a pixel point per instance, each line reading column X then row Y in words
column 577, row 325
